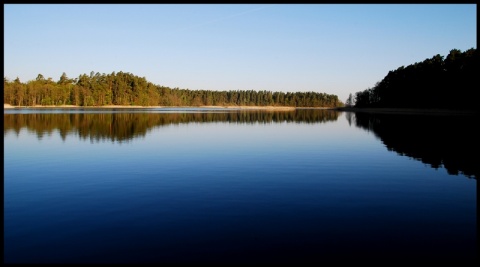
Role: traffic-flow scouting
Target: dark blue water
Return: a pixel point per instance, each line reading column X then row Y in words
column 203, row 186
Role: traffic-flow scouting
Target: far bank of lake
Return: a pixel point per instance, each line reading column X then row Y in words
column 412, row 111
column 279, row 108
column 405, row 111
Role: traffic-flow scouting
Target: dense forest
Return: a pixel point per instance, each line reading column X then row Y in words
column 435, row 83
column 127, row 89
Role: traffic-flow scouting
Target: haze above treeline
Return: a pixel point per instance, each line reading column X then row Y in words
column 449, row 82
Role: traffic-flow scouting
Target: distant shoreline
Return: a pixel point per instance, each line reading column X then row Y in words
column 8, row 106
column 271, row 108
column 412, row 111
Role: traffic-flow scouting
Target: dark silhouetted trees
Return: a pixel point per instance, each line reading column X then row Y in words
column 435, row 83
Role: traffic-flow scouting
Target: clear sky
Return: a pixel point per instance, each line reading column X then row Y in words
column 329, row 48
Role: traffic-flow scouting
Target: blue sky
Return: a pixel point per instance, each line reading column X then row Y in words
column 330, row 48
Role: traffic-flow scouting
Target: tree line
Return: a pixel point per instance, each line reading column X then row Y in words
column 450, row 82
column 123, row 88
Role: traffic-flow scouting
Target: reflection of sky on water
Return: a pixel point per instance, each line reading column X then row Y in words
column 241, row 189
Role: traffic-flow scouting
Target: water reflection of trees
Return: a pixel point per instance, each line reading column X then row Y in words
column 126, row 126
column 436, row 140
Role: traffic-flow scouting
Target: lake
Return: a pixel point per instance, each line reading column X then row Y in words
column 195, row 185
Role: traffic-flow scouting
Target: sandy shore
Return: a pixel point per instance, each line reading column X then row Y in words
column 8, row 106
column 271, row 108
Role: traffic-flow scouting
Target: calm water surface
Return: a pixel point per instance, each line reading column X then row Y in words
column 219, row 186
